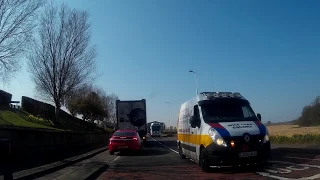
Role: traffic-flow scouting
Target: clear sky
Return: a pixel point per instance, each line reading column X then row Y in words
column 268, row 51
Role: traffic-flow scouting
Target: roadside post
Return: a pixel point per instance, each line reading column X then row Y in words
column 5, row 154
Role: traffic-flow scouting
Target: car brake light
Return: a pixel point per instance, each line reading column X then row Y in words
column 135, row 139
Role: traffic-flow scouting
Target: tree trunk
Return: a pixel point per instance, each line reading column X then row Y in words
column 57, row 111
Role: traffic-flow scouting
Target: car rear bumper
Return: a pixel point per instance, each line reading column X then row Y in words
column 219, row 156
column 123, row 147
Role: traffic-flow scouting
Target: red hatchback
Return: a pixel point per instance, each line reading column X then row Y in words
column 125, row 140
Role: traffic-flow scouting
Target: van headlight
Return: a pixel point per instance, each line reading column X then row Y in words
column 266, row 137
column 216, row 138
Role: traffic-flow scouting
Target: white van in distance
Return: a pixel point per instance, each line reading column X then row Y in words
column 220, row 129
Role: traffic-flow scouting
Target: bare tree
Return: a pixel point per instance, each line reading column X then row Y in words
column 17, row 22
column 62, row 59
column 111, row 106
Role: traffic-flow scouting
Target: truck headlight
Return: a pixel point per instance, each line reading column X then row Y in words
column 216, row 138
column 266, row 137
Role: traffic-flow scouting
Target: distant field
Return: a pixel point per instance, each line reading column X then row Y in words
column 293, row 134
column 289, row 130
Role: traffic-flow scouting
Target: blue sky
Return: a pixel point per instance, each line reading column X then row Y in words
column 268, row 51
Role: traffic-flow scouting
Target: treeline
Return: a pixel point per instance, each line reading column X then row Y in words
column 93, row 104
column 46, row 111
column 310, row 115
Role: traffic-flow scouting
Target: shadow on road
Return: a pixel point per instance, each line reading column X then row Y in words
column 295, row 155
column 98, row 172
column 162, row 141
column 23, row 162
column 144, row 152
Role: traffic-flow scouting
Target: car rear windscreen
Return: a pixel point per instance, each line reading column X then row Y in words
column 124, row 134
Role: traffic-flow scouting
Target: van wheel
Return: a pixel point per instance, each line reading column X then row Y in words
column 111, row 153
column 182, row 156
column 203, row 161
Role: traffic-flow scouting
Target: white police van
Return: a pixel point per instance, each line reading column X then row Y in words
column 220, row 129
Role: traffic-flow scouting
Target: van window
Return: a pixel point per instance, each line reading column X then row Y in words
column 196, row 112
column 226, row 111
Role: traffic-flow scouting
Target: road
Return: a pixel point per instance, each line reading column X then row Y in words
column 159, row 160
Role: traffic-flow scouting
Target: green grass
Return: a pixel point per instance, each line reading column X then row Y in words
column 296, row 139
column 109, row 130
column 10, row 117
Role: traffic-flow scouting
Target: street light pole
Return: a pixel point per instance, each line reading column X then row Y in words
column 195, row 76
column 169, row 115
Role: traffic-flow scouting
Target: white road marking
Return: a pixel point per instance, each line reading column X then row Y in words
column 317, row 176
column 308, row 165
column 167, row 146
column 297, row 169
column 115, row 159
column 302, row 158
column 305, row 166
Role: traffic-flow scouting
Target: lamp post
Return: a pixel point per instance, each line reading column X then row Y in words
column 169, row 115
column 195, row 76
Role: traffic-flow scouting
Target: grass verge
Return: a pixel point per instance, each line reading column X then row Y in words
column 296, row 139
column 10, row 117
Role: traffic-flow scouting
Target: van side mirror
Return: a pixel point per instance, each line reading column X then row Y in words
column 259, row 116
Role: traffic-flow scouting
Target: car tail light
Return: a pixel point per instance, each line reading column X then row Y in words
column 135, row 139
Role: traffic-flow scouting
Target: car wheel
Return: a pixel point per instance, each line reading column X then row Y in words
column 182, row 156
column 203, row 161
column 111, row 152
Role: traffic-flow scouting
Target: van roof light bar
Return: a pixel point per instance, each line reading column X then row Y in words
column 222, row 95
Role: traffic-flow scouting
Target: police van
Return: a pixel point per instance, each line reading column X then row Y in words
column 220, row 129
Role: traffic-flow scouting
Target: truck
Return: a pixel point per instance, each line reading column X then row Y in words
column 155, row 129
column 132, row 115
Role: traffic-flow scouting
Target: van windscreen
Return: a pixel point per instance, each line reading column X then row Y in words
column 226, row 111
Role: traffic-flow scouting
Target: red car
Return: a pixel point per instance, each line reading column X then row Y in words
column 125, row 140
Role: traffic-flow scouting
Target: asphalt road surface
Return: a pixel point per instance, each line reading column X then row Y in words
column 159, row 160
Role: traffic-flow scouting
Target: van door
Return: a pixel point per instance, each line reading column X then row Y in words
column 184, row 132
column 195, row 137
